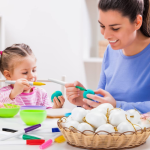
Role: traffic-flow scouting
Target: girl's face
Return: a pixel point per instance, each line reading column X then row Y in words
column 26, row 68
column 117, row 29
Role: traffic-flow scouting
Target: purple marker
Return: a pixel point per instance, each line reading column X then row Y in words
column 19, row 132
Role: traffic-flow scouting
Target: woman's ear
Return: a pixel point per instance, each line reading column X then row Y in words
column 7, row 75
column 138, row 22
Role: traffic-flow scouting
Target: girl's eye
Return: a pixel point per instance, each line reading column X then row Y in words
column 115, row 29
column 34, row 70
column 24, row 72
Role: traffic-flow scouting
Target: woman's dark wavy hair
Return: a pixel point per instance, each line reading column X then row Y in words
column 130, row 8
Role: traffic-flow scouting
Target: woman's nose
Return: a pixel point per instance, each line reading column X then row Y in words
column 107, row 34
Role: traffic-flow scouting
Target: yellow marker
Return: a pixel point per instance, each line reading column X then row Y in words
column 38, row 83
column 60, row 139
column 31, row 83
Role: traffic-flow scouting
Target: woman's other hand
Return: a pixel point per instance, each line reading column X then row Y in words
column 106, row 99
column 74, row 95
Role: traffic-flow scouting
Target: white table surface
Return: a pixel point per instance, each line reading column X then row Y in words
column 16, row 123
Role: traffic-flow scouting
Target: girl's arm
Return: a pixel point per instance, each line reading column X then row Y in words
column 4, row 97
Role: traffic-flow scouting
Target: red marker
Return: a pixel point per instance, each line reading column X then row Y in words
column 23, row 142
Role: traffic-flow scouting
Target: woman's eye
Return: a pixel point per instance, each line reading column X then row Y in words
column 115, row 29
column 102, row 26
column 34, row 70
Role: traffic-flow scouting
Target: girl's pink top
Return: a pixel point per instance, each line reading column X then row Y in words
column 37, row 97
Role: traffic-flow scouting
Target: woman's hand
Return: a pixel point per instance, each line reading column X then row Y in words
column 106, row 99
column 58, row 104
column 74, row 95
column 19, row 87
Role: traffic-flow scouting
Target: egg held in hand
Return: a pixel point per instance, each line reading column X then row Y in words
column 88, row 91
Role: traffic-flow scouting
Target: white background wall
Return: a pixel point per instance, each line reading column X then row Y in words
column 55, row 31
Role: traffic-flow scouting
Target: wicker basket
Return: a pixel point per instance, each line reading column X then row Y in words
column 99, row 141
column 102, row 47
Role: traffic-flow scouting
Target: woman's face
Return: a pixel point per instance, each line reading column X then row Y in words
column 117, row 29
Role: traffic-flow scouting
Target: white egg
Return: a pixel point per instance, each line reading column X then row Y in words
column 96, row 119
column 84, row 126
column 105, row 127
column 138, row 126
column 115, row 110
column 87, row 111
column 72, row 124
column 103, row 111
column 134, row 116
column 105, row 106
column 124, row 127
column 117, row 117
column 78, row 114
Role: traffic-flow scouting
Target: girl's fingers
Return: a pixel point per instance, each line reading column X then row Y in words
column 97, row 98
column 25, row 83
column 91, row 103
column 62, row 100
column 85, row 106
column 57, row 102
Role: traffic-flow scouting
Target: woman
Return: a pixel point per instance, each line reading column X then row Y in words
column 125, row 75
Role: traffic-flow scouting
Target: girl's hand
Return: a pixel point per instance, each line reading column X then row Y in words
column 106, row 99
column 58, row 104
column 19, row 87
column 74, row 95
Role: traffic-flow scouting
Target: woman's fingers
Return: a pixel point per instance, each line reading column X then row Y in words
column 85, row 106
column 91, row 103
column 102, row 92
column 96, row 98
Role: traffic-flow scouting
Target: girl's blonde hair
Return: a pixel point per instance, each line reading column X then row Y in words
column 11, row 53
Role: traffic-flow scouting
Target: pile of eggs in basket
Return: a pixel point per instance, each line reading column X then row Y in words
column 105, row 119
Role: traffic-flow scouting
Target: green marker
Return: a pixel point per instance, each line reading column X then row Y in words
column 81, row 88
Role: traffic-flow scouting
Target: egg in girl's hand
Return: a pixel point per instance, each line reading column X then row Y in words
column 78, row 114
column 96, row 119
column 134, row 116
column 105, row 106
column 72, row 124
column 117, row 117
column 124, row 127
column 105, row 127
column 103, row 111
column 84, row 126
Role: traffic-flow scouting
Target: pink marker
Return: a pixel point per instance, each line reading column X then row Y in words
column 49, row 142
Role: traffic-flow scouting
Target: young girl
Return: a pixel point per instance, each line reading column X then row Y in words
column 19, row 63
column 125, row 75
